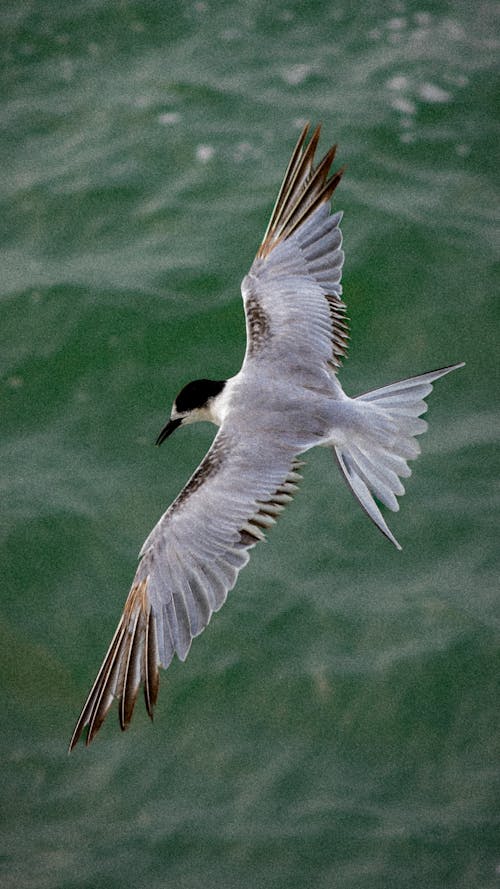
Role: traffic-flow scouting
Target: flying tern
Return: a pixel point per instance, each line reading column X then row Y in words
column 285, row 400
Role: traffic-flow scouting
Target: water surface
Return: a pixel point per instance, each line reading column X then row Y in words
column 337, row 723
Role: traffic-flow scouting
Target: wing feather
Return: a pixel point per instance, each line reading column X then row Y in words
column 292, row 294
column 133, row 668
column 150, row 666
column 182, row 579
column 298, row 169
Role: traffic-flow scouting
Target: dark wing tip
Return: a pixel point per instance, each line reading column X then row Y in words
column 151, row 671
column 304, row 188
column 131, row 660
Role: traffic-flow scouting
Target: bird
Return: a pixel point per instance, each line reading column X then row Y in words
column 285, row 400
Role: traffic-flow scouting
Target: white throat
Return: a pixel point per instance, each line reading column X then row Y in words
column 218, row 407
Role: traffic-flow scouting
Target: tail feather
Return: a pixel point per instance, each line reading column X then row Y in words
column 375, row 459
column 381, row 478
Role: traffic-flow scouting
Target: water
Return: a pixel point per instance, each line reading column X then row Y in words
column 337, row 724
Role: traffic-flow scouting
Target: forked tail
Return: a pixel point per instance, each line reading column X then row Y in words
column 375, row 456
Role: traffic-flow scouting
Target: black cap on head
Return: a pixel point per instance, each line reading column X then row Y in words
column 196, row 394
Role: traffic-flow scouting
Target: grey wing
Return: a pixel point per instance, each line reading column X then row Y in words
column 292, row 293
column 189, row 563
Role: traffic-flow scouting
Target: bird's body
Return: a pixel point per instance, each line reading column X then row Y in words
column 285, row 400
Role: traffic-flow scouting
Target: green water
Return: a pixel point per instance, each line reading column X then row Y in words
column 337, row 723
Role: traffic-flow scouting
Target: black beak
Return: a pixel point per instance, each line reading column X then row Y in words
column 167, row 430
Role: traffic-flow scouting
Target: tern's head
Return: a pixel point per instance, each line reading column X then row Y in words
column 196, row 401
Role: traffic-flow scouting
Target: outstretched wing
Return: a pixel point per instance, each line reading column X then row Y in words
column 292, row 294
column 188, row 564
